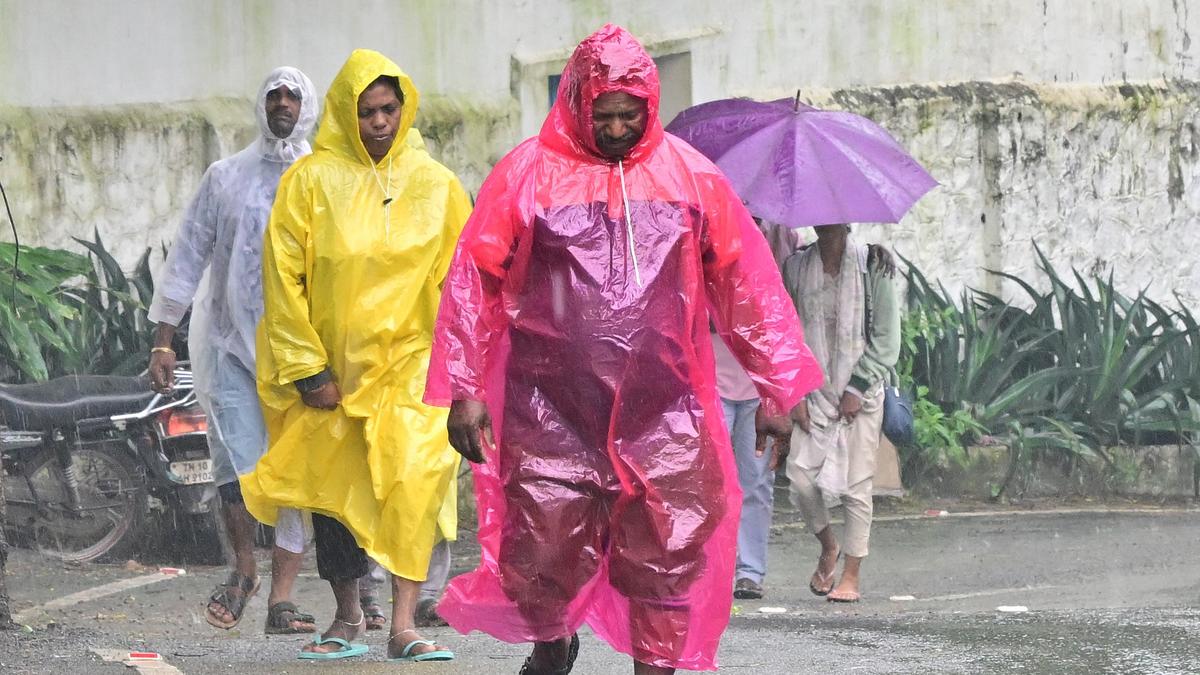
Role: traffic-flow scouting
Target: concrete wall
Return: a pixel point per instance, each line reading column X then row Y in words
column 110, row 110
column 105, row 52
column 1102, row 178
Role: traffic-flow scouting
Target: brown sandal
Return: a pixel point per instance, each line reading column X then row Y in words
column 426, row 615
column 375, row 617
column 282, row 618
column 233, row 595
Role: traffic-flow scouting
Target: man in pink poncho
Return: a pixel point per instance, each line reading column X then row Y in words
column 573, row 347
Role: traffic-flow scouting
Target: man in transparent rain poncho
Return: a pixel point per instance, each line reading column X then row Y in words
column 222, row 233
column 574, row 333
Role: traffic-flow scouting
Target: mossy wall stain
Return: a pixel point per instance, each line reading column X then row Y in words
column 906, row 37
column 1091, row 172
column 588, row 15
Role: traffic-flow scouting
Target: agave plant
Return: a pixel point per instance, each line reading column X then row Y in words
column 36, row 309
column 113, row 335
column 1118, row 347
column 1067, row 372
column 75, row 314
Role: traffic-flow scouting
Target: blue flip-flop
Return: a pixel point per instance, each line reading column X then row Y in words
column 437, row 655
column 347, row 651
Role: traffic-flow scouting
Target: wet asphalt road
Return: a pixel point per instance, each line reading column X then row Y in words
column 1105, row 592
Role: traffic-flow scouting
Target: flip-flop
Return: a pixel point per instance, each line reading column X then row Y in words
column 812, row 587
column 347, row 651
column 819, row 593
column 437, row 655
column 845, row 600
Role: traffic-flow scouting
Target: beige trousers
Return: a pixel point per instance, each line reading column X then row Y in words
column 805, row 463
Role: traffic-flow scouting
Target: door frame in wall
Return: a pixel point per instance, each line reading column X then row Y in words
column 531, row 73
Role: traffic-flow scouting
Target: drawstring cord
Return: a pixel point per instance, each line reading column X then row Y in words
column 387, row 198
column 637, row 274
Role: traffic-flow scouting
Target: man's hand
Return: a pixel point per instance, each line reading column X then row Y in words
column 162, row 372
column 884, row 260
column 776, row 428
column 850, row 407
column 327, row 397
column 162, row 360
column 470, row 429
column 800, row 416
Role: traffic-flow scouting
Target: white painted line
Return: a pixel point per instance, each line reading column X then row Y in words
column 984, row 594
column 799, row 525
column 142, row 666
column 94, row 594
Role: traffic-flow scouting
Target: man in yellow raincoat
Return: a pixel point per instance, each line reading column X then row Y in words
column 359, row 241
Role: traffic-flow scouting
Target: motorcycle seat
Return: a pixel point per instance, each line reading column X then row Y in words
column 61, row 402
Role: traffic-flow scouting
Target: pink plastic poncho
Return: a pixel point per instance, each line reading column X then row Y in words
column 611, row 496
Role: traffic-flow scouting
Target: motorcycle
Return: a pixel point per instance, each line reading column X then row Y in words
column 94, row 466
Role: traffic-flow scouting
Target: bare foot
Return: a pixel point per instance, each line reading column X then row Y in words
column 847, row 588
column 340, row 628
column 845, row 592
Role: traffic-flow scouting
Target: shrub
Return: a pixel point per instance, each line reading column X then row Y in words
column 1068, row 372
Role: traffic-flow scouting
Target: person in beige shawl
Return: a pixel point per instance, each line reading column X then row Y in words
column 844, row 294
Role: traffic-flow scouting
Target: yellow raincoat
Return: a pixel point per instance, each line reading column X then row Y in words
column 353, row 285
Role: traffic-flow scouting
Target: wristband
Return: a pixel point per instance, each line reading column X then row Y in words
column 162, row 350
column 306, row 385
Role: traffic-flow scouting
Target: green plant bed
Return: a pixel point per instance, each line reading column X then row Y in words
column 1062, row 377
column 1159, row 471
column 73, row 313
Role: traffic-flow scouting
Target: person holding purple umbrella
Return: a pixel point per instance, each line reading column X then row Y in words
column 846, row 299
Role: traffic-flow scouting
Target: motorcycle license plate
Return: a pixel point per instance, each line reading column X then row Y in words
column 193, row 472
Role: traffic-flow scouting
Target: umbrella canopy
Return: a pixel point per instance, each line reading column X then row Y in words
column 797, row 165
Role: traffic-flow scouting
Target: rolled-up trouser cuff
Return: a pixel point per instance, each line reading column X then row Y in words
column 339, row 557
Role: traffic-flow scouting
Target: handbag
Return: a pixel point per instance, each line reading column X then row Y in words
column 897, row 415
column 897, row 404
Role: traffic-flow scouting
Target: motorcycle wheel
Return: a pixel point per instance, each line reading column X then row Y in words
column 113, row 502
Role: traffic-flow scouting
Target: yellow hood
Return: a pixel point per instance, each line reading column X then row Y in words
column 338, row 132
column 353, row 263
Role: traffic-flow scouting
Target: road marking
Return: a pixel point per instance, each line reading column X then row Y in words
column 799, row 524
column 93, row 594
column 157, row 667
column 984, row 594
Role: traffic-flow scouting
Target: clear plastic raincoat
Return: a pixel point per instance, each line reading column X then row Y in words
column 222, row 232
column 578, row 308
column 352, row 284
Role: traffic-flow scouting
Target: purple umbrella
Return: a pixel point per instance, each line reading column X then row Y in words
column 797, row 165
